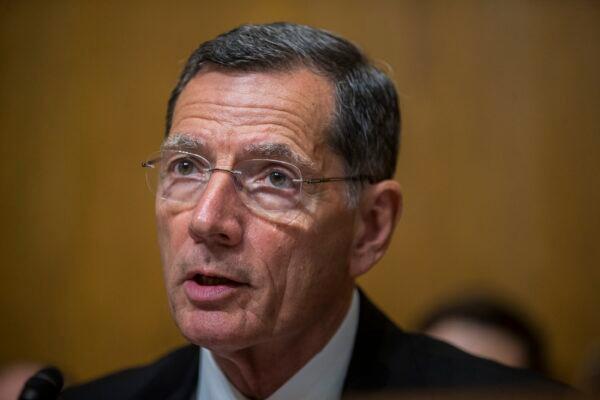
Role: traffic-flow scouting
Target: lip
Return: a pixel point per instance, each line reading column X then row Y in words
column 189, row 276
column 209, row 295
column 206, row 295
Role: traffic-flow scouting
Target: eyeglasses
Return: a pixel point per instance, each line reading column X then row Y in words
column 267, row 186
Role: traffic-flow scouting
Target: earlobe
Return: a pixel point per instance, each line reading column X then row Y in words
column 379, row 210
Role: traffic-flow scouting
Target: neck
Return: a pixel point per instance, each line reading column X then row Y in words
column 257, row 372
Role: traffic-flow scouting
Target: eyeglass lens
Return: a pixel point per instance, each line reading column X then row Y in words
column 271, row 186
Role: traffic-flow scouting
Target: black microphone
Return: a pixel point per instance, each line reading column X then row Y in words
column 44, row 385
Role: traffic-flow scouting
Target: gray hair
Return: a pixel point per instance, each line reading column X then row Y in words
column 365, row 128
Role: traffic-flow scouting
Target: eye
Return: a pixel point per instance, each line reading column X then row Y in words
column 184, row 166
column 279, row 179
column 269, row 177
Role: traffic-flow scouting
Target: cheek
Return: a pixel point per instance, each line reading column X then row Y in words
column 172, row 234
column 273, row 249
column 314, row 271
column 270, row 250
column 324, row 259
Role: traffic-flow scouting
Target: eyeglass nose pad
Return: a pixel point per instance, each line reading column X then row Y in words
column 234, row 174
column 237, row 182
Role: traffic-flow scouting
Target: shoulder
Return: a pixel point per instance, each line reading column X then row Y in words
column 385, row 357
column 439, row 364
column 165, row 378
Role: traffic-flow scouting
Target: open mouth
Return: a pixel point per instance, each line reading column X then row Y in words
column 210, row 290
column 204, row 280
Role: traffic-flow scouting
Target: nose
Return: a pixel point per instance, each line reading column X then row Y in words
column 216, row 218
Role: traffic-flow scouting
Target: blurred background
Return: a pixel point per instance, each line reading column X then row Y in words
column 499, row 164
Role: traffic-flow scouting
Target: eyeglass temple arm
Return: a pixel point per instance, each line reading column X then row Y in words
column 368, row 178
column 150, row 163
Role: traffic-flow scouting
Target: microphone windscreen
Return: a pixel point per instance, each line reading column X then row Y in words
column 46, row 384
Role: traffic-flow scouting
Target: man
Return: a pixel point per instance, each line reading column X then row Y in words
column 489, row 328
column 274, row 192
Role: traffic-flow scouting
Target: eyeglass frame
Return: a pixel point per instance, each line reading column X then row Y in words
column 310, row 181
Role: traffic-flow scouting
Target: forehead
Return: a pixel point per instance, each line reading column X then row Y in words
column 243, row 109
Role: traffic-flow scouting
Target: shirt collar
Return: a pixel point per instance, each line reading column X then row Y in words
column 308, row 383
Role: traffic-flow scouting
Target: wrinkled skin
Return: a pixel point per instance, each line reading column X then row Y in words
column 297, row 275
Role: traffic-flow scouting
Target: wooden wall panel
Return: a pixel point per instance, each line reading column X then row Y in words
column 499, row 163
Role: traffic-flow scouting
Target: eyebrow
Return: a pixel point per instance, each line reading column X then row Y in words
column 280, row 151
column 181, row 141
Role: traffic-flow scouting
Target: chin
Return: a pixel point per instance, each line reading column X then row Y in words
column 215, row 330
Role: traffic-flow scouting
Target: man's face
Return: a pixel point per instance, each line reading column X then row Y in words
column 284, row 276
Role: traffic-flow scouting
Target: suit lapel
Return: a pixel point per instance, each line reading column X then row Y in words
column 381, row 358
column 175, row 379
column 366, row 371
column 186, row 384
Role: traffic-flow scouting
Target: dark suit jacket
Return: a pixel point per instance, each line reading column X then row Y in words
column 384, row 358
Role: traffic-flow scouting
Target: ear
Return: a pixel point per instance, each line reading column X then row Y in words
column 379, row 210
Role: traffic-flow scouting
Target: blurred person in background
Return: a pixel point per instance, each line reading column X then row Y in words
column 489, row 328
column 589, row 372
column 13, row 376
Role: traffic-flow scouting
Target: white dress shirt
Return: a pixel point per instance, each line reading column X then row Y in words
column 322, row 378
